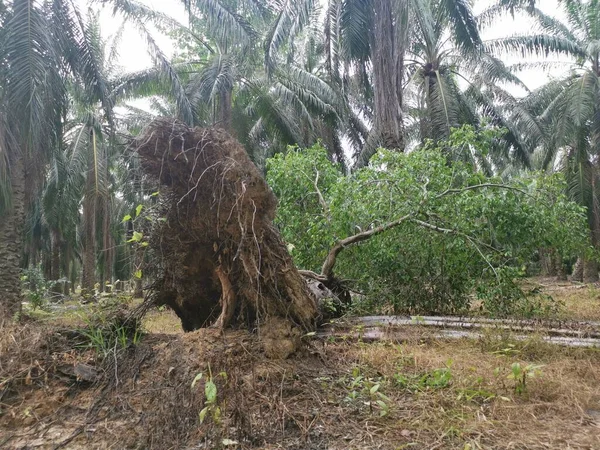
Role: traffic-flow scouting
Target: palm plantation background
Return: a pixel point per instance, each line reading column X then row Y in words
column 354, row 75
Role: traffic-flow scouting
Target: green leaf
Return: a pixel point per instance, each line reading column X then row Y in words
column 384, row 397
column 138, row 210
column 138, row 274
column 154, row 194
column 384, row 408
column 137, row 237
column 127, row 218
column 203, row 414
column 210, row 390
column 197, row 378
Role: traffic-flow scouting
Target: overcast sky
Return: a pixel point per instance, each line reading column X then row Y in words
column 133, row 55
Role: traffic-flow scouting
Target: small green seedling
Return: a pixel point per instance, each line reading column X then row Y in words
column 520, row 374
column 211, row 407
column 368, row 392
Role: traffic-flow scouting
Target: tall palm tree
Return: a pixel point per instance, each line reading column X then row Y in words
column 41, row 42
column 249, row 73
column 438, row 60
column 563, row 117
column 451, row 80
column 42, row 45
column 367, row 43
column 364, row 57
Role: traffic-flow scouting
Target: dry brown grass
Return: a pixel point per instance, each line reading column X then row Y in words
column 320, row 399
column 162, row 321
column 480, row 408
column 579, row 301
column 317, row 400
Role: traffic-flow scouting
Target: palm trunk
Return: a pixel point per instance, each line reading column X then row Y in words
column 11, row 238
column 88, row 278
column 108, row 250
column 561, row 274
column 55, row 265
column 578, row 270
column 47, row 265
column 547, row 262
column 590, row 271
column 73, row 276
column 225, row 108
column 590, row 268
column 388, row 67
column 65, row 265
column 33, row 255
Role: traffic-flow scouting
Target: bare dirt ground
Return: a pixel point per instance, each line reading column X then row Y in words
column 336, row 394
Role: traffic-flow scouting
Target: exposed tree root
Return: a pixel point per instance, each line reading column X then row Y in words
column 220, row 260
column 227, row 300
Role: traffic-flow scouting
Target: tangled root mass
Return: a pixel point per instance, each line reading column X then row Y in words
column 222, row 262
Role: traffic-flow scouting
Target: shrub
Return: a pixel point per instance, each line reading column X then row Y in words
column 463, row 234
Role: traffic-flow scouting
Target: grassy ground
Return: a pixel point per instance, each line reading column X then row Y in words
column 493, row 393
column 580, row 302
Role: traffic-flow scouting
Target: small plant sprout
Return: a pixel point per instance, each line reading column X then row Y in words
column 211, row 407
column 520, row 374
column 368, row 392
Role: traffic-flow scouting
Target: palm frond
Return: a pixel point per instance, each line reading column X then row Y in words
column 463, row 24
column 356, row 28
column 292, row 14
column 552, row 25
column 35, row 96
column 90, row 60
column 318, row 96
column 224, row 23
column 274, row 116
column 184, row 106
column 541, row 44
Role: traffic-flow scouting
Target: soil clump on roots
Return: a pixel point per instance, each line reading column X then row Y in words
column 221, row 260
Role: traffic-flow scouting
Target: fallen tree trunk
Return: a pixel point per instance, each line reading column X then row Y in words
column 575, row 329
column 222, row 262
column 398, row 329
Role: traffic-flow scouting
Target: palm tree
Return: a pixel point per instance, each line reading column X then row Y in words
column 44, row 46
column 563, row 117
column 251, row 74
column 440, row 59
column 41, row 42
column 375, row 37
column 364, row 57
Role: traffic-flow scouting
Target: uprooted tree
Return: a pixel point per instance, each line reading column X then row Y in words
column 221, row 260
